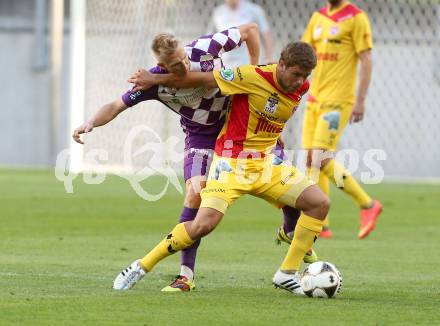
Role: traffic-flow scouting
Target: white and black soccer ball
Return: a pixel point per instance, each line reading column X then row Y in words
column 321, row 280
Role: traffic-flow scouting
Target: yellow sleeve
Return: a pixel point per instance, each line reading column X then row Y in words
column 362, row 38
column 308, row 33
column 239, row 80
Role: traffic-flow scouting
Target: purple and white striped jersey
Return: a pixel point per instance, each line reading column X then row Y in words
column 199, row 107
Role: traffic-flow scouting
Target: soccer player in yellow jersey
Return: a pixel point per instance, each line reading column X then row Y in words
column 264, row 98
column 340, row 33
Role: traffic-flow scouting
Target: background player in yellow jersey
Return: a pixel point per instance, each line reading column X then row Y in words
column 340, row 33
column 264, row 98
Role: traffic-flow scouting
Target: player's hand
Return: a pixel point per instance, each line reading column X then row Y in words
column 358, row 112
column 85, row 128
column 142, row 80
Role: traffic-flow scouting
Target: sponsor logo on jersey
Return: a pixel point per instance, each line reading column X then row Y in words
column 286, row 179
column 326, row 56
column 201, row 151
column 227, row 74
column 134, row 96
column 333, row 40
column 239, row 74
column 265, row 126
column 207, row 191
column 269, row 117
column 271, row 105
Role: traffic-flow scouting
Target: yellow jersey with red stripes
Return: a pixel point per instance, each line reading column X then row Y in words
column 337, row 37
column 258, row 110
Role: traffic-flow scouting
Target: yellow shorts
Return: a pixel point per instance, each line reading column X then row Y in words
column 324, row 123
column 229, row 179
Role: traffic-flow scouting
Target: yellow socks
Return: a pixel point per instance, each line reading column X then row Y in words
column 306, row 231
column 177, row 240
column 344, row 181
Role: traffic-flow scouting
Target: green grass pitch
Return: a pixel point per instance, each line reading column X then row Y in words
column 59, row 254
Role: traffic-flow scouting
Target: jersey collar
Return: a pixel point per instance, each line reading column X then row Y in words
column 333, row 12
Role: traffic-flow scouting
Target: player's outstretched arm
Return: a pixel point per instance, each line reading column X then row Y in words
column 366, row 67
column 251, row 35
column 144, row 79
column 104, row 115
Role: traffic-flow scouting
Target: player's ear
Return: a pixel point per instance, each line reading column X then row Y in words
column 282, row 65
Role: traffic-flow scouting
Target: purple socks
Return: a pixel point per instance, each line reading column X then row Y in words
column 291, row 216
column 188, row 256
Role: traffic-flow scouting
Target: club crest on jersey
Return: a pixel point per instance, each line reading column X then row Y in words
column 317, row 32
column 227, row 74
column 334, row 30
column 207, row 65
column 271, row 105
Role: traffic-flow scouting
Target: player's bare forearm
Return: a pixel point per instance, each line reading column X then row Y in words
column 250, row 34
column 366, row 68
column 365, row 71
column 104, row 115
column 189, row 80
column 144, row 79
column 196, row 79
column 107, row 113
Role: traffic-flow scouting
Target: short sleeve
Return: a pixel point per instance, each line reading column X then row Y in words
column 239, row 80
column 362, row 38
column 131, row 98
column 308, row 33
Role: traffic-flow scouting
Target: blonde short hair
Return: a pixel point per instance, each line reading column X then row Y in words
column 164, row 44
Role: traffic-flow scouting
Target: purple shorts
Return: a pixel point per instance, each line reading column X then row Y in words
column 199, row 150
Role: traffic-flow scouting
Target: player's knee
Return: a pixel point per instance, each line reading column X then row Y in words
column 192, row 199
column 202, row 229
column 322, row 207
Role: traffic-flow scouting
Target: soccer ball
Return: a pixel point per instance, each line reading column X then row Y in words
column 321, row 280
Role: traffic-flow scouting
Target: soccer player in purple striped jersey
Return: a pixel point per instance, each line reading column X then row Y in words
column 202, row 112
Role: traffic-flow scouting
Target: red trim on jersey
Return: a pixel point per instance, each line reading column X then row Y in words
column 236, row 129
column 346, row 13
column 296, row 96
